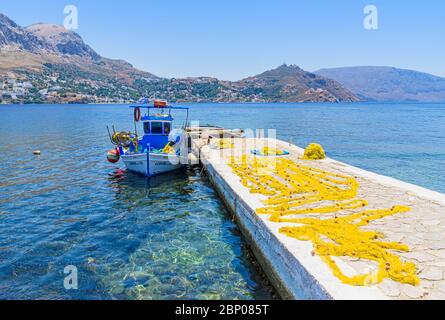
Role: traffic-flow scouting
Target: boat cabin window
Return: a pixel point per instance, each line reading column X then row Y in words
column 147, row 128
column 156, row 127
column 167, row 127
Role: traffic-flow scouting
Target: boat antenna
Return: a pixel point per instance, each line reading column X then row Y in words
column 109, row 134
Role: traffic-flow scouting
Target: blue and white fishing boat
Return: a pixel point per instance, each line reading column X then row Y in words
column 160, row 149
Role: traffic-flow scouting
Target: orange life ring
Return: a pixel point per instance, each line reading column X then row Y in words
column 137, row 114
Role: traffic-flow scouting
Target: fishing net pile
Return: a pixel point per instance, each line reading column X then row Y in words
column 324, row 208
column 314, row 151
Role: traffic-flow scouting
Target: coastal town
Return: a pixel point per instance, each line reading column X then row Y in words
column 67, row 84
column 32, row 89
column 54, row 89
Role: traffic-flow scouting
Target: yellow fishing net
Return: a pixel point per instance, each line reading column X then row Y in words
column 314, row 151
column 296, row 192
column 267, row 151
column 224, row 144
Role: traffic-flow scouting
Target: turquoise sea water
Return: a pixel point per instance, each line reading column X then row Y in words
column 404, row 141
column 170, row 238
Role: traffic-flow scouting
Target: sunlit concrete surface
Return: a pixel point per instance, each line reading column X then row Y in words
column 289, row 263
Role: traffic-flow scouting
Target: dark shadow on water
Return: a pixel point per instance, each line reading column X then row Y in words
column 128, row 185
column 132, row 179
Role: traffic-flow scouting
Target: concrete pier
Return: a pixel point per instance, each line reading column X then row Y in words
column 291, row 265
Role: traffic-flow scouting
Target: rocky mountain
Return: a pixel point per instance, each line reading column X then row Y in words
column 62, row 41
column 46, row 63
column 293, row 84
column 389, row 84
column 14, row 37
column 55, row 65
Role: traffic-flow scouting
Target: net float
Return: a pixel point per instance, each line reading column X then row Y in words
column 113, row 155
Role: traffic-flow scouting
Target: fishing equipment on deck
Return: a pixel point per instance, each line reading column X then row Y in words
column 168, row 148
column 176, row 137
column 124, row 138
column 113, row 155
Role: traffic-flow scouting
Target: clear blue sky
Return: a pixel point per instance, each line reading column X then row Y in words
column 232, row 39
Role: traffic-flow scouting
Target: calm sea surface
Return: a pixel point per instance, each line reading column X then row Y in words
column 171, row 238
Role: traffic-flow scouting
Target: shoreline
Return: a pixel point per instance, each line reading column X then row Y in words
column 240, row 103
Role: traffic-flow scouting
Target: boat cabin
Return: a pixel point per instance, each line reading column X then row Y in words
column 157, row 126
column 156, row 130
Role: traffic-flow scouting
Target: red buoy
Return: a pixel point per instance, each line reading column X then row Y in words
column 113, row 156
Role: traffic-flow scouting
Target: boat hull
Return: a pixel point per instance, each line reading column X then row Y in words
column 159, row 163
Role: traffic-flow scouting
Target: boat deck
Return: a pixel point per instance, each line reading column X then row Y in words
column 291, row 265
